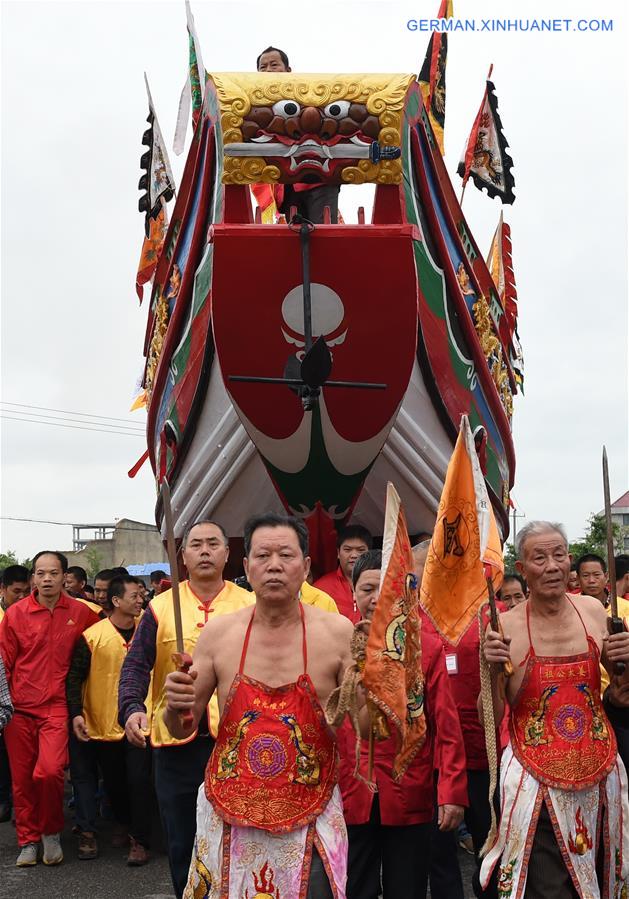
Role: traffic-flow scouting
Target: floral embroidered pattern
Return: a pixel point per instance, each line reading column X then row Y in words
column 505, row 880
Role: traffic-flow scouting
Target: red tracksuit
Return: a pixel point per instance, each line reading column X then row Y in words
column 336, row 585
column 412, row 801
column 36, row 646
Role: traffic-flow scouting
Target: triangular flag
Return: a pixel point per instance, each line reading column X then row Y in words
column 465, row 545
column 193, row 89
column 432, row 78
column 158, row 185
column 157, row 182
column 393, row 674
column 485, row 156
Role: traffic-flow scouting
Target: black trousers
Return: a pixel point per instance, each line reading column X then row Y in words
column 547, row 874
column 318, row 883
column 401, row 853
column 127, row 780
column 311, row 203
column 178, row 774
column 620, row 722
column 84, row 776
column 445, row 874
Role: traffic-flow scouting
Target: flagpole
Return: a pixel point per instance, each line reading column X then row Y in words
column 506, row 667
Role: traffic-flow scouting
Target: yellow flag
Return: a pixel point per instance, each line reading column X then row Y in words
column 465, row 544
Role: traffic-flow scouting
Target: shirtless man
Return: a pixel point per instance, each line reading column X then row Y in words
column 561, row 769
column 270, row 785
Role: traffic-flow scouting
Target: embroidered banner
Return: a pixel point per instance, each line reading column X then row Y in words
column 485, row 158
column 465, row 541
column 393, row 673
column 432, row 78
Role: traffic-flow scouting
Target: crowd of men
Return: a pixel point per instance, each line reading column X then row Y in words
column 90, row 678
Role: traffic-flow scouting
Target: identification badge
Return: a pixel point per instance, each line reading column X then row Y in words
column 452, row 666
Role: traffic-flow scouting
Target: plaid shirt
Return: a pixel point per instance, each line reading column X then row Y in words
column 6, row 706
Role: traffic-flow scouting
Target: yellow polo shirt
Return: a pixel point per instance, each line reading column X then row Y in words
column 311, row 596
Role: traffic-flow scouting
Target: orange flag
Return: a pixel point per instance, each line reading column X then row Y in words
column 465, row 545
column 151, row 249
column 393, row 673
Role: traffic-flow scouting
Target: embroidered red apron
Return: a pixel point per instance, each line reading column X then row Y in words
column 274, row 765
column 559, row 731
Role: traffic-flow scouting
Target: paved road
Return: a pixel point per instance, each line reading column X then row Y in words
column 107, row 877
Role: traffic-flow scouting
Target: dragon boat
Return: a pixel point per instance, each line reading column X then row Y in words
column 299, row 367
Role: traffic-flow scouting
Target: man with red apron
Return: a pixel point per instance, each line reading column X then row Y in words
column 563, row 788
column 269, row 815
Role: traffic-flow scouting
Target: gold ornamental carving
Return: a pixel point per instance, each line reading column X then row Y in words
column 383, row 97
column 492, row 349
column 160, row 325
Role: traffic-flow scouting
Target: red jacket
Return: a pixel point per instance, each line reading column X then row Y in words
column 463, row 665
column 36, row 646
column 336, row 585
column 412, row 801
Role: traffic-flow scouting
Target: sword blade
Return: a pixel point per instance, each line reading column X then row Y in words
column 609, row 528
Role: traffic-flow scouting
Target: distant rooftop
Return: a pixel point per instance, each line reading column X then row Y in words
column 623, row 502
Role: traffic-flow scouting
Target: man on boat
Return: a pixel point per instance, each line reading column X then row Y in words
column 564, row 811
column 310, row 199
column 178, row 763
column 352, row 542
column 269, row 815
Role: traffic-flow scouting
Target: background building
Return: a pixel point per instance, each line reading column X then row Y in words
column 620, row 516
column 126, row 542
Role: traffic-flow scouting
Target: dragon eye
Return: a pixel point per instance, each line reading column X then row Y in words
column 337, row 110
column 286, row 108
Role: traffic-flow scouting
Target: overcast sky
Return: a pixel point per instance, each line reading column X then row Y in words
column 73, row 113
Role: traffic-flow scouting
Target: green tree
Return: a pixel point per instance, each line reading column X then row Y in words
column 10, row 558
column 509, row 557
column 595, row 538
column 93, row 561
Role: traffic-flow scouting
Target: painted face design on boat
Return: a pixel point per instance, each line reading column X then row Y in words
column 311, row 143
column 287, row 128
